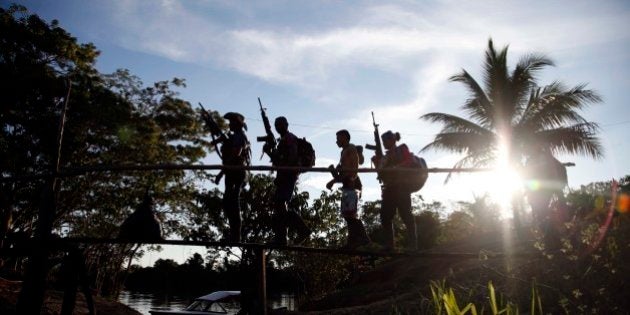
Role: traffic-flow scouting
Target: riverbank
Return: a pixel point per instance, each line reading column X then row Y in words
column 9, row 291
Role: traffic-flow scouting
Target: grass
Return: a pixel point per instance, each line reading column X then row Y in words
column 445, row 302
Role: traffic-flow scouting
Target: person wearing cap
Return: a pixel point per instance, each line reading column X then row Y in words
column 350, row 190
column 285, row 154
column 395, row 196
column 235, row 151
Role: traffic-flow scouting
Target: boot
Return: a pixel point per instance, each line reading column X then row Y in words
column 356, row 234
column 296, row 222
column 388, row 236
column 279, row 229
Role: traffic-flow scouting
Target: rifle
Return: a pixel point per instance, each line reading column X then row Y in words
column 377, row 147
column 269, row 139
column 217, row 136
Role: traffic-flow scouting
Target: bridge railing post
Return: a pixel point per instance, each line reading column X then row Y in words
column 262, row 280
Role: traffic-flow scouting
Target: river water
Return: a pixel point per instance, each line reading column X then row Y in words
column 144, row 302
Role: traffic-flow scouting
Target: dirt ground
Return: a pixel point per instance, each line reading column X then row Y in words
column 401, row 285
column 9, row 291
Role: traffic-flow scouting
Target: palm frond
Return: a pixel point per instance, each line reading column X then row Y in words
column 555, row 106
column 510, row 106
column 475, row 159
column 576, row 139
column 478, row 106
column 524, row 78
column 497, row 82
column 454, row 123
column 462, row 142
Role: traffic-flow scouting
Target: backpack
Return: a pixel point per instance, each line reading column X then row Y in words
column 360, row 153
column 306, row 153
column 416, row 179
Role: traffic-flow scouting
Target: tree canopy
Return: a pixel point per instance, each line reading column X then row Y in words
column 510, row 112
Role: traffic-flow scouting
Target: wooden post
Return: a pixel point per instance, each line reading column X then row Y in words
column 31, row 297
column 262, row 281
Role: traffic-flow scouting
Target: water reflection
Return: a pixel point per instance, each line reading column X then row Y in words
column 144, row 302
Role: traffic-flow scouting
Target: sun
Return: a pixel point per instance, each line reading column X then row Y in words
column 501, row 186
column 503, row 182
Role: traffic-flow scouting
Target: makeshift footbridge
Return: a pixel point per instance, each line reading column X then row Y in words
column 39, row 247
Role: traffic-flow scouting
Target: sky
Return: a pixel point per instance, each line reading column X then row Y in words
column 326, row 65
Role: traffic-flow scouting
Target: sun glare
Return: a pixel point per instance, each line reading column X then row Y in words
column 503, row 182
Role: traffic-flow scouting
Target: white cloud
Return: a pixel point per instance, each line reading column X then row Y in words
column 381, row 36
column 325, row 162
column 314, row 181
column 371, row 193
column 422, row 43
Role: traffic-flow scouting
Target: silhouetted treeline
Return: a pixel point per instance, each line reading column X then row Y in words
column 194, row 277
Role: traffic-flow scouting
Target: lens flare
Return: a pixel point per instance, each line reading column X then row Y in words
column 533, row 185
column 623, row 203
column 503, row 182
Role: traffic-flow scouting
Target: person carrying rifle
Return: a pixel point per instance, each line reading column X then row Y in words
column 395, row 194
column 351, row 187
column 235, row 151
column 285, row 154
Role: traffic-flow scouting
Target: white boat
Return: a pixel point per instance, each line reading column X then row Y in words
column 219, row 302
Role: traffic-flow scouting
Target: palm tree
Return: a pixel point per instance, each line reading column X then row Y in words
column 512, row 114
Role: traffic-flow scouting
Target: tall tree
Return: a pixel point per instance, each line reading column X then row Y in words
column 111, row 119
column 510, row 115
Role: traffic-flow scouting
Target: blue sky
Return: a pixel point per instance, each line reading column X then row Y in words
column 326, row 64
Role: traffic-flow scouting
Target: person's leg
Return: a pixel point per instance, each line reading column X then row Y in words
column 85, row 283
column 295, row 221
column 387, row 216
column 361, row 233
column 403, row 201
column 68, row 267
column 539, row 201
column 349, row 210
column 278, row 222
column 292, row 218
column 279, row 219
column 231, row 204
column 357, row 236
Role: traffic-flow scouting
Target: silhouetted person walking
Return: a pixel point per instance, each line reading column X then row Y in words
column 350, row 190
column 286, row 154
column 74, row 275
column 546, row 178
column 235, row 152
column 395, row 194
